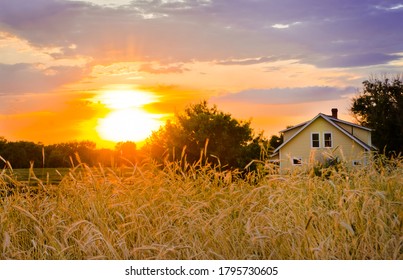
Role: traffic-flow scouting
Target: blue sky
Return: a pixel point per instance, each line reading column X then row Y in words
column 277, row 63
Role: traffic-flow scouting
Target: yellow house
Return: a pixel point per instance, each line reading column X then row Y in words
column 322, row 139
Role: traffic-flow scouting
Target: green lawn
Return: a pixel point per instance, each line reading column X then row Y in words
column 51, row 175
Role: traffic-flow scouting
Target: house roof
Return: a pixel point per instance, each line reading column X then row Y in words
column 293, row 127
column 332, row 119
column 333, row 122
column 349, row 123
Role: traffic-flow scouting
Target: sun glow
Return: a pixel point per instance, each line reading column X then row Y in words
column 127, row 121
column 123, row 99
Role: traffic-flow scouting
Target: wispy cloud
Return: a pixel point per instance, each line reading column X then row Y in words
column 250, row 61
column 162, row 69
column 287, row 95
column 391, row 7
column 284, row 26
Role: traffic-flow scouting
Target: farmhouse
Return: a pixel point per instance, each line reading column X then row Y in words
column 324, row 139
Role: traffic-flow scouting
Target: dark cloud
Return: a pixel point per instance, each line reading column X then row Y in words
column 287, row 95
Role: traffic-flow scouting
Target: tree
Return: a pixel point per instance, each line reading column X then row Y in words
column 228, row 141
column 275, row 141
column 126, row 152
column 20, row 154
column 64, row 154
column 380, row 106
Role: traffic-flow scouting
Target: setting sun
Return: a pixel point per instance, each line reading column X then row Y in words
column 127, row 125
column 127, row 121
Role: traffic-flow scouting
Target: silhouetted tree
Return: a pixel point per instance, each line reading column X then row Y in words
column 275, row 141
column 126, row 152
column 380, row 106
column 20, row 154
column 228, row 141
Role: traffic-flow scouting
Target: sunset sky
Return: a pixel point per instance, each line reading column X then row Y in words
column 113, row 70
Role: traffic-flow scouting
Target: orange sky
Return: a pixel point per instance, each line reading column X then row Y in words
column 273, row 64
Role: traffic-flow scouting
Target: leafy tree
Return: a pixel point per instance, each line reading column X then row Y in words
column 275, row 141
column 105, row 157
column 228, row 141
column 20, row 154
column 56, row 158
column 127, row 152
column 61, row 155
column 380, row 106
column 86, row 151
column 3, row 142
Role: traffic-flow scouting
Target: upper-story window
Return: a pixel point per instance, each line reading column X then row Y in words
column 315, row 142
column 327, row 139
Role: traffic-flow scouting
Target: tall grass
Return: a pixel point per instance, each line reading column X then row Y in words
column 150, row 212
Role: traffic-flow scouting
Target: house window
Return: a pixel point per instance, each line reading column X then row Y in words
column 296, row 161
column 315, row 140
column 356, row 162
column 327, row 136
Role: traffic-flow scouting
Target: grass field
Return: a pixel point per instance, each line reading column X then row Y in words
column 203, row 213
column 46, row 175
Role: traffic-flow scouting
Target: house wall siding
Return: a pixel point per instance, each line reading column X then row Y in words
column 300, row 146
column 288, row 134
column 362, row 134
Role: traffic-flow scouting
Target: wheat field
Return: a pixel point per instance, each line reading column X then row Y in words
column 153, row 212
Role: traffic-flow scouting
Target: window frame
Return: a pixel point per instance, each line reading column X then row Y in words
column 299, row 159
column 356, row 162
column 331, row 139
column 312, row 141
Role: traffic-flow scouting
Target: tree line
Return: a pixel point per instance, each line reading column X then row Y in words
column 23, row 154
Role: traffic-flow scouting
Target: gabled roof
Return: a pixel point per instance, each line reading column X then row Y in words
column 293, row 127
column 349, row 123
column 332, row 121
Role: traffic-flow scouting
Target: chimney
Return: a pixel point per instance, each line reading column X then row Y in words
column 334, row 113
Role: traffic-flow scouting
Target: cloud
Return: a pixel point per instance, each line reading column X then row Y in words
column 240, row 30
column 250, row 61
column 15, row 50
column 392, row 7
column 284, row 26
column 286, row 95
column 340, row 33
column 356, row 60
column 158, row 69
column 280, row 26
column 35, row 78
column 109, row 3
